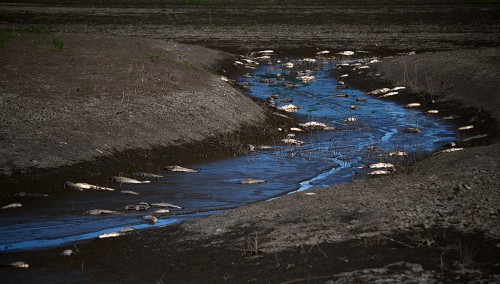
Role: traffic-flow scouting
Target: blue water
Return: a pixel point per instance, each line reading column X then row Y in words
column 327, row 158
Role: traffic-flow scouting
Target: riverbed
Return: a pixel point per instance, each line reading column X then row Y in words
column 362, row 130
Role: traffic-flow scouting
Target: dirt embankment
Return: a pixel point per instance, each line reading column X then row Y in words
column 469, row 76
column 67, row 98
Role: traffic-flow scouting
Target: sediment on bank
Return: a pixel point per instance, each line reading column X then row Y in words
column 67, row 99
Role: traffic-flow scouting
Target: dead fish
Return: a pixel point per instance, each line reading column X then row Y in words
column 127, row 180
column 395, row 153
column 344, row 76
column 467, row 127
column 361, row 67
column 312, row 125
column 350, row 119
column 12, row 205
column 127, row 229
column 290, row 85
column 267, row 148
column 19, row 264
column 293, row 141
column 129, row 192
column 411, row 130
column 362, row 100
column 268, row 51
column 451, row 144
column 28, row 194
column 289, row 108
column 176, row 168
column 329, row 128
column 146, row 175
column 341, row 87
column 67, row 252
column 150, row 218
column 322, row 52
column 412, row 105
column 381, row 165
column 342, row 95
column 248, row 75
column 354, row 107
column 289, row 65
column 162, row 211
column 346, row 53
column 379, row 172
column 373, row 148
column 432, row 111
column 296, row 129
column 397, row 89
column 480, row 136
column 267, row 81
column 81, row 186
column 309, row 60
column 379, row 91
column 390, row 94
column 448, row 150
column 306, row 79
column 253, row 181
column 137, row 207
column 451, row 117
column 96, row 212
column 110, row 235
column 166, row 204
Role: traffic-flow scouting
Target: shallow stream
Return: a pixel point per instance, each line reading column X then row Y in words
column 326, row 158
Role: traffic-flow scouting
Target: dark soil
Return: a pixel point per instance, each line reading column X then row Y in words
column 437, row 220
column 401, row 25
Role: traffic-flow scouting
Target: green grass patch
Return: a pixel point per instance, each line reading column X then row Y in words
column 58, row 44
column 157, row 58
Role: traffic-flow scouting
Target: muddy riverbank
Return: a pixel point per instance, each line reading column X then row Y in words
column 436, row 222
column 101, row 97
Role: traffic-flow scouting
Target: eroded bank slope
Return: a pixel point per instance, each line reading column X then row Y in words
column 68, row 98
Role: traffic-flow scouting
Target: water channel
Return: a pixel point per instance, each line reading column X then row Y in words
column 326, row 158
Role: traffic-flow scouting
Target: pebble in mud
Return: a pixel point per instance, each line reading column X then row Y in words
column 67, row 252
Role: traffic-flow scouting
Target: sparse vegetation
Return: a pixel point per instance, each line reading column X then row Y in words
column 252, row 250
column 156, row 58
column 58, row 44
